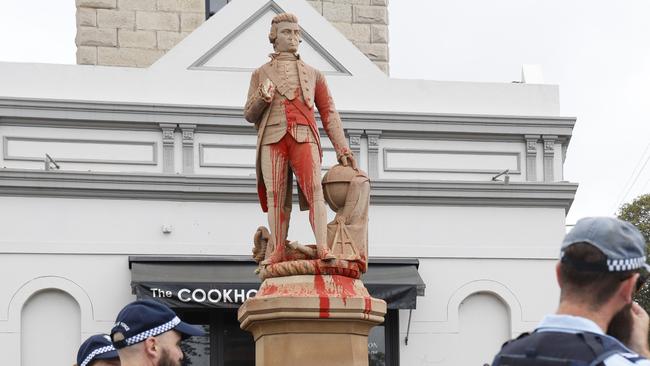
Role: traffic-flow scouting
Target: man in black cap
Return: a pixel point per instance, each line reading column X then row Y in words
column 148, row 333
column 97, row 351
column 602, row 264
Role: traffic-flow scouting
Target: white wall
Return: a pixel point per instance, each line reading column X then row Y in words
column 451, row 160
column 483, row 323
column 60, row 225
column 50, row 303
column 50, row 329
column 466, row 231
column 81, row 149
column 490, row 298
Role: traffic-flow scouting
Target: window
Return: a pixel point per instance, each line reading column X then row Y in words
column 231, row 345
column 213, row 6
column 377, row 346
column 228, row 345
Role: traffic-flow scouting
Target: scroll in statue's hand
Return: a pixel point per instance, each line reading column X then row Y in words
column 346, row 158
column 267, row 90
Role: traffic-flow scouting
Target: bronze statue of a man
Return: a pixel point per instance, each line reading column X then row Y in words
column 281, row 100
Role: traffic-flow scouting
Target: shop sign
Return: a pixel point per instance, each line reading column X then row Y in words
column 203, row 295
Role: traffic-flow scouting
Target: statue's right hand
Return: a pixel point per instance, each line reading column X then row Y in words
column 267, row 90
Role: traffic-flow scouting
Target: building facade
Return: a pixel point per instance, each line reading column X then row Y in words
column 154, row 196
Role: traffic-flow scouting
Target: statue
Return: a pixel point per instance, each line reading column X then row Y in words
column 280, row 103
column 311, row 297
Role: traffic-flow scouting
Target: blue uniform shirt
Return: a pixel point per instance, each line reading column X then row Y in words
column 575, row 324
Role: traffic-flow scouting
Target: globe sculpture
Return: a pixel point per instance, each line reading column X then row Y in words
column 336, row 183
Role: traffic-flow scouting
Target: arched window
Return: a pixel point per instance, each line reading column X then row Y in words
column 50, row 329
column 484, row 324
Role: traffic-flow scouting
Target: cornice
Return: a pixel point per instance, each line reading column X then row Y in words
column 243, row 189
column 109, row 115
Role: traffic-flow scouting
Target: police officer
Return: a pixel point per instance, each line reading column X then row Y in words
column 148, row 333
column 97, row 350
column 603, row 263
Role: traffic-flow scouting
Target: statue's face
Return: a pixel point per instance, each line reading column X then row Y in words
column 288, row 37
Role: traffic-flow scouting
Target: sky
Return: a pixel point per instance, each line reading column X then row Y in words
column 597, row 51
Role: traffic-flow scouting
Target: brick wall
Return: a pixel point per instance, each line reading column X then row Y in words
column 137, row 32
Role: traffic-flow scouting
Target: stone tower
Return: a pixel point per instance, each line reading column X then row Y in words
column 136, row 33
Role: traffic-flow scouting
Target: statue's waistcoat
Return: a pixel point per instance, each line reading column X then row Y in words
column 291, row 109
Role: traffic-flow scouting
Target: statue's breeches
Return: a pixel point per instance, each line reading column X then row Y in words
column 304, row 160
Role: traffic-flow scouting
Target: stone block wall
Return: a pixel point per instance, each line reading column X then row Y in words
column 364, row 22
column 136, row 33
column 133, row 32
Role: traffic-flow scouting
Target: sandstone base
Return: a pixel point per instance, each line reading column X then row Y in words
column 311, row 320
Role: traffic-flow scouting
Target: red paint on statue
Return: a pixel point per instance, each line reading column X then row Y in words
column 294, row 114
column 345, row 286
column 325, row 105
column 268, row 290
column 303, row 166
column 319, row 286
column 367, row 306
column 322, row 100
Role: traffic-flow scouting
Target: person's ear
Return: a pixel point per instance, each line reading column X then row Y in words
column 151, row 346
column 558, row 274
column 627, row 288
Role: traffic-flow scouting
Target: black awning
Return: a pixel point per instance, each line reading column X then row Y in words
column 226, row 282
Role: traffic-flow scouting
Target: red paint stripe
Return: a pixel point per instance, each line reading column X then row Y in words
column 367, row 306
column 319, row 285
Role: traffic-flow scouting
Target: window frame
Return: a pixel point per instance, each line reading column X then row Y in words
column 207, row 8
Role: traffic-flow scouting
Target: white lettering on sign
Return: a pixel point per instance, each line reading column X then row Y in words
column 233, row 296
column 180, row 295
column 226, row 295
column 199, row 295
column 214, row 295
column 157, row 292
column 240, row 296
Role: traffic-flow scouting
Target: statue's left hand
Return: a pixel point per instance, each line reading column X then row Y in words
column 346, row 157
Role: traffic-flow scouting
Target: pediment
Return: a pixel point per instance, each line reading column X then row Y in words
column 235, row 39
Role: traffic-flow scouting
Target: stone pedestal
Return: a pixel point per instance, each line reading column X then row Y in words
column 311, row 320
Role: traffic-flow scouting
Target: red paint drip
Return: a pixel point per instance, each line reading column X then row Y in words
column 319, row 285
column 345, row 286
column 367, row 307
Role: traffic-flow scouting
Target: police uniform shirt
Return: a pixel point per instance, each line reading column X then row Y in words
column 575, row 324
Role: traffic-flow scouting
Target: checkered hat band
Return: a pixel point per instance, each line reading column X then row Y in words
column 97, row 352
column 620, row 265
column 153, row 332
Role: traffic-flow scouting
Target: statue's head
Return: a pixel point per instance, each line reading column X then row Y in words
column 285, row 33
